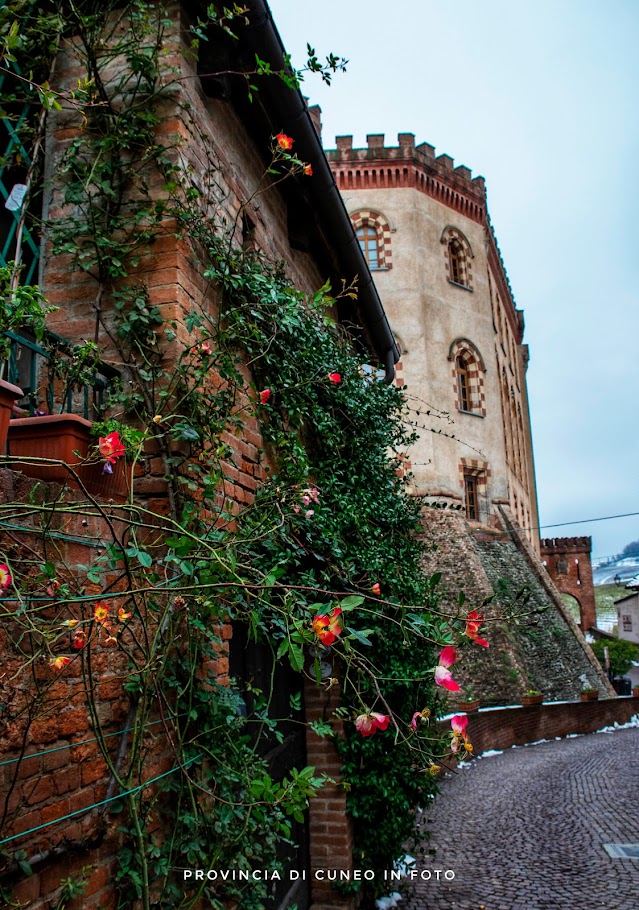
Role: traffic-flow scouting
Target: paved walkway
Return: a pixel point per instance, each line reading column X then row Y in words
column 524, row 830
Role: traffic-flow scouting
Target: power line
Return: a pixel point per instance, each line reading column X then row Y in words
column 583, row 521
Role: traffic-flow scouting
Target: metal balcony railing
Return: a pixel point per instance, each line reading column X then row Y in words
column 31, row 366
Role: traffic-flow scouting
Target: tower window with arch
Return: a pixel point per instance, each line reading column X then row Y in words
column 456, row 261
column 368, row 240
column 474, row 477
column 373, row 234
column 463, row 383
column 468, row 374
column 458, row 256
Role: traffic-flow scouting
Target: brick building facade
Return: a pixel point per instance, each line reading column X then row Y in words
column 54, row 777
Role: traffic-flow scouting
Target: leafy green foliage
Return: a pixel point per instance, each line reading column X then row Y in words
column 622, row 654
column 21, row 308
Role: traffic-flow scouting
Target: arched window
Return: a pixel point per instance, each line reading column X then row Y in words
column 373, row 234
column 456, row 262
column 468, row 373
column 458, row 257
column 369, row 242
column 505, row 415
column 516, row 434
column 463, row 389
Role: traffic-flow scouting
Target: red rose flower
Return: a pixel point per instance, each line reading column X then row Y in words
column 111, row 447
column 369, row 723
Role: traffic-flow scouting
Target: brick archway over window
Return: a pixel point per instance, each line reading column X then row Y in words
column 457, row 255
column 369, row 224
column 468, row 376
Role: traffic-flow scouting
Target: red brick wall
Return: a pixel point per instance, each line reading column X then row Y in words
column 501, row 728
column 330, row 829
column 38, row 789
column 567, row 561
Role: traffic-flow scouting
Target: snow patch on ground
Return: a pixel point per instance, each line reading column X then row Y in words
column 403, row 866
column 633, row 722
column 490, row 752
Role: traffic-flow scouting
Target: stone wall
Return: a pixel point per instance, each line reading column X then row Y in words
column 534, row 643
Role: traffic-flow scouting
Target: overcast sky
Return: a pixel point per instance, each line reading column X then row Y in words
column 541, row 99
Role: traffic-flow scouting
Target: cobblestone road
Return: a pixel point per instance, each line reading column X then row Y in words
column 524, row 830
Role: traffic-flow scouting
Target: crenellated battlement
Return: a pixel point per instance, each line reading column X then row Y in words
column 381, row 166
column 555, row 545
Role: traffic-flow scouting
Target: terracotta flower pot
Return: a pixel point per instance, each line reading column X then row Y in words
column 589, row 696
column 635, row 691
column 9, row 394
column 60, row 437
column 528, row 700
column 469, row 706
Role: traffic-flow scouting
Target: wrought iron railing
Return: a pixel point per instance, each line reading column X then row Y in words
column 29, row 366
column 16, row 120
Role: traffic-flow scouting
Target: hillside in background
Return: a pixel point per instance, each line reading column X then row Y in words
column 621, row 569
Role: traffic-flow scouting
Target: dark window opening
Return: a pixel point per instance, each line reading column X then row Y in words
column 470, row 496
column 455, row 256
column 463, row 386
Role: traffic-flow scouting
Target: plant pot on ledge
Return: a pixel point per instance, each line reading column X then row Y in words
column 589, row 695
column 59, row 437
column 635, row 691
column 529, row 700
column 469, row 706
column 9, row 394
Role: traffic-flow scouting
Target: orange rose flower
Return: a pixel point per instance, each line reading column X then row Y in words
column 101, row 614
column 328, row 627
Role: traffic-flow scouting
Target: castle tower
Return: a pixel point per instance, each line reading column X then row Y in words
column 567, row 561
column 424, row 227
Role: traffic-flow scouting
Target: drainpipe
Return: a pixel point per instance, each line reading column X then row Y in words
column 289, row 112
